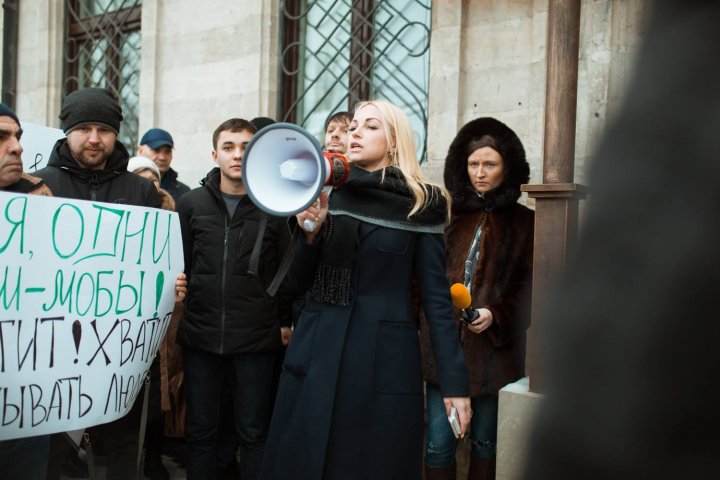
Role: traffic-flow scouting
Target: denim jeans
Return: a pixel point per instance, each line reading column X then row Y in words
column 440, row 443
column 25, row 458
column 248, row 377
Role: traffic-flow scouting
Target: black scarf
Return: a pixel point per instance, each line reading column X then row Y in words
column 380, row 198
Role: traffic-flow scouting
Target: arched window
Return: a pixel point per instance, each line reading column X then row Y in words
column 338, row 52
column 102, row 49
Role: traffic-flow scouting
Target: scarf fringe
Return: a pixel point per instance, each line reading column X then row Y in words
column 331, row 284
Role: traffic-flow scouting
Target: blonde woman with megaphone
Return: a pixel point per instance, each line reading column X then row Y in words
column 350, row 400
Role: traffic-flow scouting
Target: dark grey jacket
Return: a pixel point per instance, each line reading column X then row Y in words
column 113, row 184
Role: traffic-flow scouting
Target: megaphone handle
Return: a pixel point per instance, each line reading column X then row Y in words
column 309, row 225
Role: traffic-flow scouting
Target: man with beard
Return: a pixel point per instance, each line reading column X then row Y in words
column 91, row 164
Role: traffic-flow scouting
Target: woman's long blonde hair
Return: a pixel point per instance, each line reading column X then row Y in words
column 401, row 154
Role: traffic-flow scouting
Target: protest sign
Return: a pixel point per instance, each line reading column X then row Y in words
column 86, row 295
column 37, row 142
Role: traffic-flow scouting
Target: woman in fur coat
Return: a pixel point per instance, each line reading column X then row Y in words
column 489, row 250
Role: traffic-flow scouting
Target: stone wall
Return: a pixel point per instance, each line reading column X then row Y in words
column 202, row 66
column 488, row 59
column 40, row 61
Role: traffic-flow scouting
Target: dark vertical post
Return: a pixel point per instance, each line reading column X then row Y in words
column 10, row 52
column 361, row 53
column 557, row 198
column 561, row 90
column 290, row 60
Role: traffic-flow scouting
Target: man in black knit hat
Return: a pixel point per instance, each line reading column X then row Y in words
column 91, row 164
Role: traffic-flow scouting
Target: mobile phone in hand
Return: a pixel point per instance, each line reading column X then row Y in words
column 454, row 423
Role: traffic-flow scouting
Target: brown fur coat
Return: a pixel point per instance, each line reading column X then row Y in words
column 172, row 400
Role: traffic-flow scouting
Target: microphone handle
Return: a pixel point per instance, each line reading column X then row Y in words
column 469, row 315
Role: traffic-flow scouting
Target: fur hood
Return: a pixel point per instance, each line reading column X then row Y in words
column 166, row 200
column 464, row 196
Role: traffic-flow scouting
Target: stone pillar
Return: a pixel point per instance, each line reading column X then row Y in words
column 517, row 407
column 444, row 95
column 40, row 61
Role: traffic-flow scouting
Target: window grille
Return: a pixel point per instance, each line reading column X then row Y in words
column 102, row 49
column 338, row 52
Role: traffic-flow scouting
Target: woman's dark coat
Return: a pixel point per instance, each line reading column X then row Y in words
column 495, row 357
column 350, row 400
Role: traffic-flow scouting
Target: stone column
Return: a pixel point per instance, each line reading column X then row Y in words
column 40, row 61
column 444, row 95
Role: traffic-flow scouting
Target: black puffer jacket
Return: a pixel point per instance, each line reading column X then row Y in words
column 114, row 184
column 227, row 309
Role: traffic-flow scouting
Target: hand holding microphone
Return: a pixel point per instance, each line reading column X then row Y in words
column 477, row 320
column 461, row 299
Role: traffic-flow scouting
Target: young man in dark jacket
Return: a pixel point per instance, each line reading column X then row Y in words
column 231, row 331
column 91, row 164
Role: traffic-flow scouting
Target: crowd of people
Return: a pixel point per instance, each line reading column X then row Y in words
column 366, row 314
column 330, row 376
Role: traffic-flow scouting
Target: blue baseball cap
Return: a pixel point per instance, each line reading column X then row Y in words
column 156, row 138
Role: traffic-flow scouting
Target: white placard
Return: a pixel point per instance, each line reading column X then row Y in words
column 37, row 142
column 86, row 295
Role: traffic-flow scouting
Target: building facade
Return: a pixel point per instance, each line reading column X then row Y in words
column 191, row 66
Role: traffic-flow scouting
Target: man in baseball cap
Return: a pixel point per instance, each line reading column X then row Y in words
column 157, row 144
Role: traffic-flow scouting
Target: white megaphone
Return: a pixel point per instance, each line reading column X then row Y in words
column 284, row 169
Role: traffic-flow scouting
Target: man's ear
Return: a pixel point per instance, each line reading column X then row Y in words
column 213, row 154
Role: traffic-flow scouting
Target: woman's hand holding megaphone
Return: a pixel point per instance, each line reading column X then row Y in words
column 311, row 220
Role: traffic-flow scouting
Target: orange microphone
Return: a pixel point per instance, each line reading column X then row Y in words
column 461, row 299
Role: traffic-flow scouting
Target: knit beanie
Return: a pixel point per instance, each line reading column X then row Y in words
column 261, row 122
column 5, row 111
column 90, row 106
column 143, row 163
